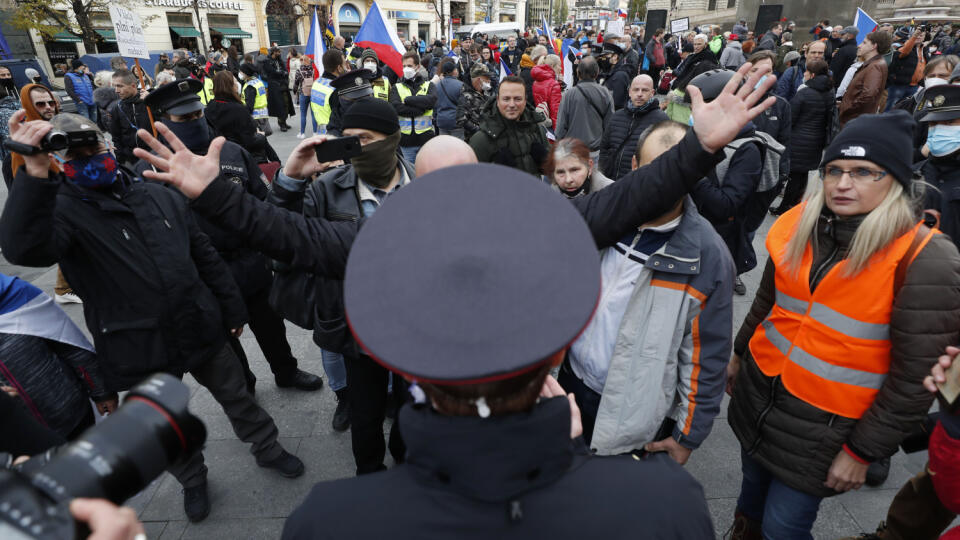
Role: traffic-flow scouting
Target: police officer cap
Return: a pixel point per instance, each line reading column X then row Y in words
column 355, row 84
column 939, row 103
column 177, row 97
column 452, row 282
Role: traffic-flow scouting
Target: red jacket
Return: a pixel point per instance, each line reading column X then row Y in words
column 944, row 455
column 546, row 89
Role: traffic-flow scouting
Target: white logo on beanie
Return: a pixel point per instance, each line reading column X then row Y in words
column 854, row 151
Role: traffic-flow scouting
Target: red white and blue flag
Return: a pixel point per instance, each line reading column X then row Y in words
column 622, row 14
column 504, row 70
column 549, row 34
column 376, row 34
column 865, row 24
column 315, row 47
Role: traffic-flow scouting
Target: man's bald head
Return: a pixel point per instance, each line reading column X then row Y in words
column 641, row 90
column 656, row 140
column 443, row 151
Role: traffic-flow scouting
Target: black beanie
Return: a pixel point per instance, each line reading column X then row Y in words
column 248, row 69
column 885, row 139
column 373, row 114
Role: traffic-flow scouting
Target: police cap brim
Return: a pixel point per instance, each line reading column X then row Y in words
column 471, row 274
column 177, row 97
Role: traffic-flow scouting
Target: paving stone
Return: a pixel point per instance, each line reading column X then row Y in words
column 234, row 528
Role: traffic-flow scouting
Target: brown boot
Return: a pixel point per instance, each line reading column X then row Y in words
column 743, row 528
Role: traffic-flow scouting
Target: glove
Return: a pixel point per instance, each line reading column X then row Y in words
column 504, row 157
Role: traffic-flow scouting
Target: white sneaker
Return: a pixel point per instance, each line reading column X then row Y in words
column 68, row 298
column 300, row 135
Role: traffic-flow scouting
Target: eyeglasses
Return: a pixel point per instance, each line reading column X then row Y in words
column 43, row 104
column 858, row 174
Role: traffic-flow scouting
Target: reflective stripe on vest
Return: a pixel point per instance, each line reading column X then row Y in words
column 420, row 124
column 320, row 94
column 831, row 347
column 260, row 104
column 206, row 94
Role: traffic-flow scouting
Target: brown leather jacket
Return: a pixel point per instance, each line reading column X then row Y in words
column 797, row 441
column 867, row 92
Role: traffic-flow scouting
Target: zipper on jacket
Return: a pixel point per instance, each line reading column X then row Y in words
column 763, row 414
column 337, row 216
column 826, row 262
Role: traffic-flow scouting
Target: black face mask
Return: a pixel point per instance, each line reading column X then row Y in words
column 194, row 134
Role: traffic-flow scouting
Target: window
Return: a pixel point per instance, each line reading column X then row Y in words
column 180, row 19
column 218, row 20
column 712, row 5
column 731, row 4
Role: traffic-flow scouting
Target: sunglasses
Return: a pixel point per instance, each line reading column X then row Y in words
column 41, row 104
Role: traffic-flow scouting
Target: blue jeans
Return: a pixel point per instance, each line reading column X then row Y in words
column 410, row 153
column 787, row 514
column 335, row 369
column 896, row 92
column 305, row 112
column 89, row 111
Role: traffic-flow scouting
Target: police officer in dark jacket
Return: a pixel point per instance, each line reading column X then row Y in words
column 940, row 111
column 322, row 247
column 618, row 75
column 505, row 457
column 181, row 110
column 156, row 295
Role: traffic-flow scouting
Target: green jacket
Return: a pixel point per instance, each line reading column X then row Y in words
column 716, row 45
column 521, row 144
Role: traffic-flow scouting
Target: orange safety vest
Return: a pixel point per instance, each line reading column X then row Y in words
column 831, row 347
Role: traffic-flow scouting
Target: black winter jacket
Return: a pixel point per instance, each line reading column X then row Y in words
column 276, row 78
column 843, row 58
column 156, row 295
column 725, row 202
column 944, row 175
column 321, row 246
column 126, row 117
column 334, row 197
column 810, row 108
column 512, row 476
column 619, row 142
column 618, row 82
column 796, row 441
column 234, row 121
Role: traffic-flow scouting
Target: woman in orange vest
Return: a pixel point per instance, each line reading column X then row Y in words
column 856, row 302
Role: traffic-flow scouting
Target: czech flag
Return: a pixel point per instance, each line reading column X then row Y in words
column 315, row 47
column 622, row 14
column 549, row 34
column 504, row 70
column 864, row 25
column 376, row 34
column 570, row 54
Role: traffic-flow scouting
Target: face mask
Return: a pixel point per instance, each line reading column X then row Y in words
column 409, row 72
column 759, row 82
column 378, row 162
column 371, row 66
column 486, row 86
column 92, row 172
column 933, row 81
column 194, row 134
column 690, row 121
column 943, row 140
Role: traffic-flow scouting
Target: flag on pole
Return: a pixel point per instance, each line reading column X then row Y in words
column 549, row 34
column 570, row 54
column 622, row 14
column 315, row 47
column 376, row 34
column 329, row 30
column 864, row 25
column 504, row 70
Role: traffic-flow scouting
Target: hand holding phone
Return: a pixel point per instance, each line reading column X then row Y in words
column 339, row 149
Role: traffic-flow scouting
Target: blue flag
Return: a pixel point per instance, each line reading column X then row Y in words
column 864, row 25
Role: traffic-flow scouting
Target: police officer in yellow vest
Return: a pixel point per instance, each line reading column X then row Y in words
column 370, row 62
column 321, row 93
column 255, row 96
column 414, row 99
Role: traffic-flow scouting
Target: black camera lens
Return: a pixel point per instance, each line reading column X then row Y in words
column 55, row 140
column 120, row 456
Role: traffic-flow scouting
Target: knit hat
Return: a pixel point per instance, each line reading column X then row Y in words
column 248, row 69
column 75, row 63
column 790, row 57
column 885, row 139
column 373, row 114
column 369, row 53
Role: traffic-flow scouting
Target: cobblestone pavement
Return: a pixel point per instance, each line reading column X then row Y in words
column 250, row 502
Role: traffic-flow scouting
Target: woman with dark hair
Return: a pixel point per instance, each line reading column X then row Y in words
column 233, row 60
column 227, row 114
column 811, row 109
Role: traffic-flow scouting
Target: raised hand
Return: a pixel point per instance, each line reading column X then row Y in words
column 718, row 122
column 177, row 165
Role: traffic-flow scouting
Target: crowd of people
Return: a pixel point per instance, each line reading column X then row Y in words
column 544, row 302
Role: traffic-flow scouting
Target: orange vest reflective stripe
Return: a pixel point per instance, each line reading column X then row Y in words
column 831, row 348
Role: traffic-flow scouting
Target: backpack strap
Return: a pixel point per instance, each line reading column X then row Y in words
column 920, row 240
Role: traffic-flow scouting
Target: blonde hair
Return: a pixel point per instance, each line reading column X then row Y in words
column 895, row 215
column 552, row 60
column 102, row 78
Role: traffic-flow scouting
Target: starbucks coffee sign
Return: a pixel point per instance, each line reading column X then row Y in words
column 202, row 4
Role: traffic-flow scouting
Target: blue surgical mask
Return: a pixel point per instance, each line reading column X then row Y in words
column 759, row 82
column 690, row 120
column 92, row 172
column 943, row 140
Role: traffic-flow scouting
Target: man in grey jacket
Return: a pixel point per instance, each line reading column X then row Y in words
column 649, row 370
column 585, row 109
